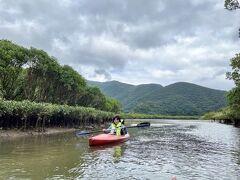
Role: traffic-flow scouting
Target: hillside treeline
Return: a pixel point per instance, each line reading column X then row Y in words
column 178, row 99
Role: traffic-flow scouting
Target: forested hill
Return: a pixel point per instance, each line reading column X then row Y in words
column 176, row 99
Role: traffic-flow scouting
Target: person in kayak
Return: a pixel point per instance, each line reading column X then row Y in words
column 117, row 127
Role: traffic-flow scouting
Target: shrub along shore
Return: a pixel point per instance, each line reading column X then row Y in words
column 226, row 115
column 26, row 115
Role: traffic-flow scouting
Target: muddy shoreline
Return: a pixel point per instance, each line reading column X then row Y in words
column 16, row 133
column 13, row 134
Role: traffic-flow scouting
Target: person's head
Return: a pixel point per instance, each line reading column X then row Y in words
column 116, row 119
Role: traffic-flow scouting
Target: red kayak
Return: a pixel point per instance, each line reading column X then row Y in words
column 103, row 139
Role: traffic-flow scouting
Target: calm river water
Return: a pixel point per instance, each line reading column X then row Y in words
column 185, row 149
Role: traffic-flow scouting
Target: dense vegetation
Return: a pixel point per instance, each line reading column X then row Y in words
column 31, row 74
column 30, row 115
column 177, row 99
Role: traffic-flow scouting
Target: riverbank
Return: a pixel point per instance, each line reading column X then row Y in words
column 14, row 133
column 235, row 123
column 17, row 133
column 226, row 116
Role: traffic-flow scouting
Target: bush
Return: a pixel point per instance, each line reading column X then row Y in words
column 30, row 115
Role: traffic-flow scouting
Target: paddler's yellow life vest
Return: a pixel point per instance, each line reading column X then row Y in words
column 117, row 128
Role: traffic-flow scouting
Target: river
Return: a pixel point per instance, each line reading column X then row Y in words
column 185, row 149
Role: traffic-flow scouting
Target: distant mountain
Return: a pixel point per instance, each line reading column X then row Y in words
column 176, row 99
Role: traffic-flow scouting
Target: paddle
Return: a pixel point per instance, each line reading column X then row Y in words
column 144, row 124
column 90, row 132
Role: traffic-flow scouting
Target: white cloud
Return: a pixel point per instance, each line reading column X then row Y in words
column 130, row 41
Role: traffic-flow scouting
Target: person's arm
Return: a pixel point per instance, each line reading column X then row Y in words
column 110, row 129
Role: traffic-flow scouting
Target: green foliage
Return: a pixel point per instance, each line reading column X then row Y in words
column 235, row 74
column 12, row 59
column 234, row 94
column 231, row 4
column 176, row 99
column 112, row 105
column 33, row 75
column 234, row 100
column 1, row 92
column 27, row 115
column 209, row 116
column 234, row 97
column 43, row 78
column 226, row 114
column 71, row 79
column 93, row 97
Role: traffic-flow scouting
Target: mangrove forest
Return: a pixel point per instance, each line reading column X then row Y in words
column 36, row 91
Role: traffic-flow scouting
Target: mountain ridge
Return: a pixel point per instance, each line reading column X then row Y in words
column 181, row 98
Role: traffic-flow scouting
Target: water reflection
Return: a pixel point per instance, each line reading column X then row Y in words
column 116, row 150
column 37, row 157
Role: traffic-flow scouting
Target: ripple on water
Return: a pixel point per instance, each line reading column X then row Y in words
column 188, row 150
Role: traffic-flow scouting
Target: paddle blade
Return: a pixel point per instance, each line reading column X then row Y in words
column 82, row 133
column 144, row 124
column 140, row 125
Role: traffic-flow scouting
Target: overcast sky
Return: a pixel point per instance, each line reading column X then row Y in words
column 132, row 41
